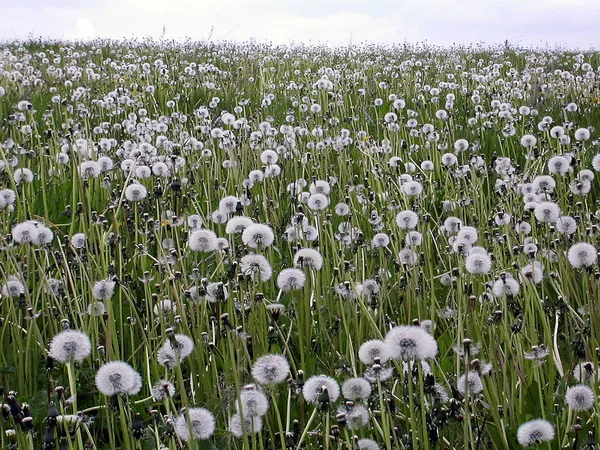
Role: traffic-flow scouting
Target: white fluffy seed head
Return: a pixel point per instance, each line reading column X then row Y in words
column 256, row 267
column 528, row 141
column 270, row 369
column 356, row 389
column 258, row 235
column 252, row 425
column 136, row 192
column 201, row 423
column 228, row 204
column 291, row 279
column 118, row 377
column 582, row 255
column 356, row 417
column 13, row 287
column 478, row 263
column 580, row 397
column 78, row 240
column 253, row 402
column 367, row 444
column 103, row 289
column 566, row 225
column 559, row 165
column 70, row 345
column 409, row 343
column 203, row 240
column 547, row 212
column 308, row 257
column 380, row 240
column 175, row 350
column 315, row 387
column 596, row 162
column 535, row 432
column 407, row 220
column 506, row 287
column 372, row 349
column 237, row 225
column 470, row 381
column 25, row 232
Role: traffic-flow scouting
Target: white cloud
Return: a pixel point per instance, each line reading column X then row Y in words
column 571, row 23
column 84, row 28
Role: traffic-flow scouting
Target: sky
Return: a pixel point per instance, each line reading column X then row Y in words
column 571, row 24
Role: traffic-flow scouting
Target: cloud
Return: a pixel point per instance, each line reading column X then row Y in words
column 440, row 22
column 84, row 28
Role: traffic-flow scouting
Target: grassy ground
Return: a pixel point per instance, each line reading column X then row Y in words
column 164, row 109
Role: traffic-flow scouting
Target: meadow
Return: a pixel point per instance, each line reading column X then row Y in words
column 249, row 246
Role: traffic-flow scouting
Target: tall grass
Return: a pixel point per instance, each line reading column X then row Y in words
column 100, row 95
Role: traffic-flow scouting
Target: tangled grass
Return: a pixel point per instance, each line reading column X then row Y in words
column 248, row 246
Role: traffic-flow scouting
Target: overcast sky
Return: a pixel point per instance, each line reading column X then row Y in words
column 568, row 23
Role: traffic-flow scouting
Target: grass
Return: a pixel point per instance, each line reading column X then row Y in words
column 98, row 93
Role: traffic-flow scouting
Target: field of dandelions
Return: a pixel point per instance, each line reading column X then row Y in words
column 215, row 246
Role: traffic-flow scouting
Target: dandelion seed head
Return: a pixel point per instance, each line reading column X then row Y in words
column 461, row 145
column 254, row 402
column 547, row 212
column 238, row 224
column 318, row 202
column 412, row 188
column 408, row 343
column 78, row 240
column 103, row 289
column 202, row 424
column 203, row 240
column 270, row 369
column 372, row 349
column 408, row 257
column 136, row 192
column 291, row 279
column 313, row 388
column 70, row 345
column 163, row 389
column 89, row 169
column 228, row 204
column 118, row 377
column 528, row 141
column 580, row 397
column 25, row 232
column 558, row 165
column 256, row 266
column 380, row 240
column 407, row 219
column 452, row 225
column 507, row 287
column 582, row 134
column 367, row 444
column 252, row 425
column 533, row 271
column 7, row 197
column 535, row 432
column 356, row 389
column 342, row 209
column 478, row 263
column 308, row 257
column 582, row 255
column 258, row 235
column 357, row 416
column 470, row 380
column 596, row 162
column 219, row 217
column 13, row 287
column 22, row 175
column 543, row 183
